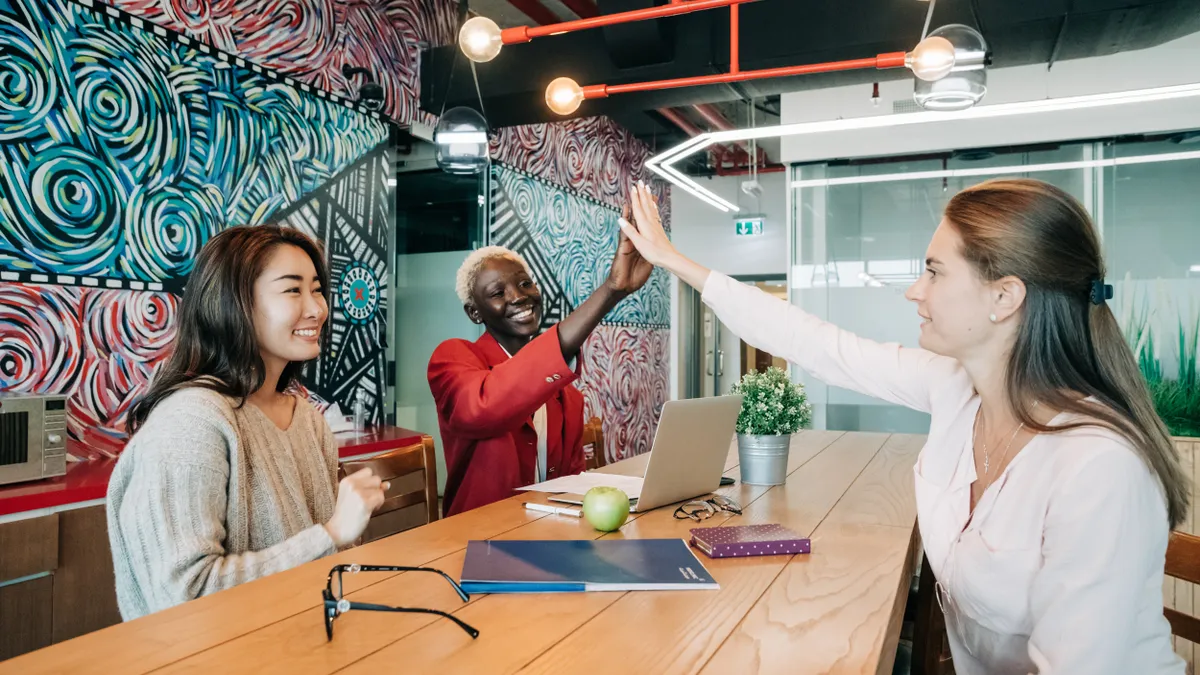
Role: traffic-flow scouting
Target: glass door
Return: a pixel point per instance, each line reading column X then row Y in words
column 719, row 355
column 712, row 354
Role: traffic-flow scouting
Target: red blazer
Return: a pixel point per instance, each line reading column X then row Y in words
column 485, row 403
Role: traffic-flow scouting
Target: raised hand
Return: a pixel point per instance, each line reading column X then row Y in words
column 647, row 234
column 630, row 270
column 645, row 229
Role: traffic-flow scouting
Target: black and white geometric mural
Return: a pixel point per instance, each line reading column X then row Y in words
column 350, row 215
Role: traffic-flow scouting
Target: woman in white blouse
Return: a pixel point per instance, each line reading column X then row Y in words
column 1048, row 485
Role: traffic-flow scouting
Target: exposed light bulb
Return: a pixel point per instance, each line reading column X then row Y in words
column 932, row 59
column 480, row 39
column 564, row 95
column 966, row 83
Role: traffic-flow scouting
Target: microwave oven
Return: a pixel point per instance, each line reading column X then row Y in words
column 33, row 437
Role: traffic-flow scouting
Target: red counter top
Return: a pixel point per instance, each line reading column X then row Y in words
column 88, row 480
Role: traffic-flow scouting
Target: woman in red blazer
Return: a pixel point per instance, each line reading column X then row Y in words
column 506, row 410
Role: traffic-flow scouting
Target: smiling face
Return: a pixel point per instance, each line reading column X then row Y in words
column 289, row 308
column 951, row 298
column 505, row 300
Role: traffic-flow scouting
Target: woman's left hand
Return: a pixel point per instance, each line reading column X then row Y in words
column 630, row 270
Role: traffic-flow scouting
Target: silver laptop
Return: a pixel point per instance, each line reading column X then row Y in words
column 690, row 446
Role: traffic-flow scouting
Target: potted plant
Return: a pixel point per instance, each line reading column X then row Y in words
column 773, row 408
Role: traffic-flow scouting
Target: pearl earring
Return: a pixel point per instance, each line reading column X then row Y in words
column 992, row 318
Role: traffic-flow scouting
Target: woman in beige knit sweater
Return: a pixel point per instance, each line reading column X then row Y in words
column 230, row 475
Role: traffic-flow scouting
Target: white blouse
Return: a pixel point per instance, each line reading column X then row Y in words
column 1060, row 570
column 539, row 428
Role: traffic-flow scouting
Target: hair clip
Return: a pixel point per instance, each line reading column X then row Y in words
column 1101, row 292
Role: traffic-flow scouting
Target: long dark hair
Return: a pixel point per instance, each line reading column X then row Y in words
column 216, row 347
column 1067, row 345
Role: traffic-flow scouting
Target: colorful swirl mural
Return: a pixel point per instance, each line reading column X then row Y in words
column 592, row 156
column 130, row 325
column 121, row 154
column 41, row 338
column 557, row 193
column 311, row 40
column 101, row 347
column 582, row 236
column 625, row 380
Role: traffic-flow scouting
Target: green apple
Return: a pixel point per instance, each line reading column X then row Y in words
column 606, row 508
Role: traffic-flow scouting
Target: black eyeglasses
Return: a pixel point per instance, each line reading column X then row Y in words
column 336, row 604
column 703, row 509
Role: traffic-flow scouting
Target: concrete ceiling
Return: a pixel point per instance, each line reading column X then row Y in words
column 774, row 33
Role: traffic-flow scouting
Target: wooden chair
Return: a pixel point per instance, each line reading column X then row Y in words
column 412, row 472
column 1183, row 562
column 593, row 444
column 931, row 647
column 930, row 652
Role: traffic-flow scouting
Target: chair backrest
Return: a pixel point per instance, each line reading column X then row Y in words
column 412, row 472
column 1183, row 562
column 593, row 444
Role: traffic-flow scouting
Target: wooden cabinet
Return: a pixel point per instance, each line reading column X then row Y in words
column 56, row 579
column 85, row 590
column 25, row 614
column 28, row 547
column 28, row 558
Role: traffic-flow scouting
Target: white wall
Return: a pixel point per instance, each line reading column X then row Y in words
column 1173, row 63
column 427, row 312
column 707, row 236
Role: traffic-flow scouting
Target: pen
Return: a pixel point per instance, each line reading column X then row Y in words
column 553, row 509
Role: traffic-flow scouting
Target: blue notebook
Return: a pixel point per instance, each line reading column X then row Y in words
column 550, row 566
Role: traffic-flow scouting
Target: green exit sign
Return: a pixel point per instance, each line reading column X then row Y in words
column 748, row 227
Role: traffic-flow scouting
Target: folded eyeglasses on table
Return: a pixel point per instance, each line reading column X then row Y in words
column 703, row 509
column 335, row 605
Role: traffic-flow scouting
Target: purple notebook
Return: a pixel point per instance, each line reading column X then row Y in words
column 747, row 540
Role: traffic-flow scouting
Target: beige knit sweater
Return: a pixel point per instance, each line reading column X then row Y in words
column 207, row 496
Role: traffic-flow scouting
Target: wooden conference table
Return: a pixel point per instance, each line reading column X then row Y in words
column 836, row 610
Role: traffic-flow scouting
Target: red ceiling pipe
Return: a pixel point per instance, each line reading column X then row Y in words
column 714, row 117
column 680, row 121
column 720, row 152
column 526, row 33
column 739, row 158
column 535, row 10
column 586, row 9
column 882, row 61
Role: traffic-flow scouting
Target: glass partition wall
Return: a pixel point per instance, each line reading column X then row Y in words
column 440, row 219
column 860, row 228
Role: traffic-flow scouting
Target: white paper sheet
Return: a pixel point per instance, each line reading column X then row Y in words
column 581, row 483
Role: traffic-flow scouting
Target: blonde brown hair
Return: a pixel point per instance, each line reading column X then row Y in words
column 1068, row 348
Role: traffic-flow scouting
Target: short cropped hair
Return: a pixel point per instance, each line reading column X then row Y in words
column 464, row 281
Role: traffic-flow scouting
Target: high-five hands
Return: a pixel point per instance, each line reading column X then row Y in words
column 630, row 270
column 645, row 230
column 647, row 234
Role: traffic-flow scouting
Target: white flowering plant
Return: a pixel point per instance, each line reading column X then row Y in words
column 772, row 405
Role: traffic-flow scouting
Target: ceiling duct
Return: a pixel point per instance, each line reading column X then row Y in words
column 640, row 43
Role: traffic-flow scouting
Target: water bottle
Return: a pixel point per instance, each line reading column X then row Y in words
column 360, row 411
